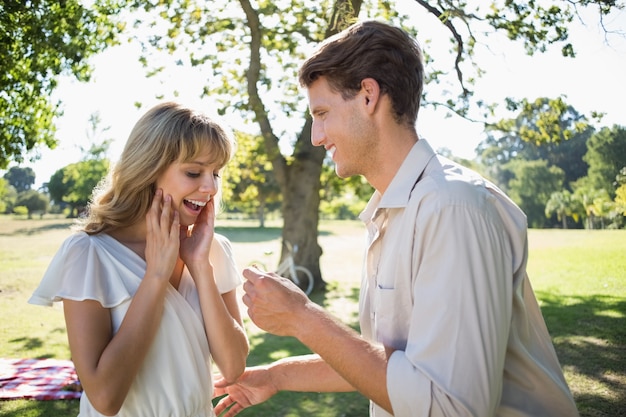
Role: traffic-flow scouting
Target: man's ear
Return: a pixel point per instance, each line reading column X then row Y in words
column 371, row 93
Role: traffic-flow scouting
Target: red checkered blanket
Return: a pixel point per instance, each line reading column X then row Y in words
column 38, row 379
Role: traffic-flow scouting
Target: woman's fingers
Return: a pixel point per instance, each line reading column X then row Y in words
column 153, row 214
column 162, row 215
column 162, row 241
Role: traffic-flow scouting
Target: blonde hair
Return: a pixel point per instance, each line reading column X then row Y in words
column 167, row 133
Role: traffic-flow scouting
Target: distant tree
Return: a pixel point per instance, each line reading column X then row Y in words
column 603, row 208
column 620, row 199
column 620, row 178
column 544, row 129
column 59, row 186
column 20, row 178
column 563, row 206
column 85, row 175
column 249, row 184
column 606, row 156
column 531, row 187
column 74, row 183
column 9, row 197
column 40, row 40
column 342, row 198
column 592, row 201
column 543, row 120
column 620, row 194
column 4, row 192
column 34, row 201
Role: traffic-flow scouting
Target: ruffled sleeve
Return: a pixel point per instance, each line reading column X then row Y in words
column 90, row 268
column 227, row 277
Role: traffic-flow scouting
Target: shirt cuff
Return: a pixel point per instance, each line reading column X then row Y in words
column 408, row 388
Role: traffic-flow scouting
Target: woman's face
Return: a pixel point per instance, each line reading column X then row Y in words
column 191, row 184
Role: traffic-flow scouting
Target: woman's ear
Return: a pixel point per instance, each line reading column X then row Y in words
column 371, row 93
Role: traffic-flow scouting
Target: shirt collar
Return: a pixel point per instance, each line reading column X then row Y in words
column 399, row 191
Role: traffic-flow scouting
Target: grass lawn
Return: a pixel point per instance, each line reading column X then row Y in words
column 579, row 277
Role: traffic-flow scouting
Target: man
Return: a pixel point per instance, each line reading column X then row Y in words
column 449, row 322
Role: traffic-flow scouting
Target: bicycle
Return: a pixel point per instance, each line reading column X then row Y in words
column 299, row 274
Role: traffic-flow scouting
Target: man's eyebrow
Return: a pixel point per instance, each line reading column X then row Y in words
column 315, row 110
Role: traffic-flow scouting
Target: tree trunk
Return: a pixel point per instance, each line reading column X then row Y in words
column 301, row 200
column 261, row 212
column 299, row 176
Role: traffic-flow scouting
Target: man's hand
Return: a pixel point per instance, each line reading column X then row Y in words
column 253, row 387
column 274, row 303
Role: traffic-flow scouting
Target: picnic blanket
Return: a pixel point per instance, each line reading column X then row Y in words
column 38, row 379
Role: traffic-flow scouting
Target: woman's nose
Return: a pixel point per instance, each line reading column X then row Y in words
column 209, row 184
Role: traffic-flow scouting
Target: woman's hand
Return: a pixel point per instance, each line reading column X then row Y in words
column 253, row 387
column 195, row 242
column 162, row 240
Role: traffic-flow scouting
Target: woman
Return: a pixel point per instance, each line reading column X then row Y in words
column 148, row 288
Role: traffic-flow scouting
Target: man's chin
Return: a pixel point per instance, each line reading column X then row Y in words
column 343, row 174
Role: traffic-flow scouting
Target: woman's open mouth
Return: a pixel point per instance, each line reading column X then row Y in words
column 194, row 205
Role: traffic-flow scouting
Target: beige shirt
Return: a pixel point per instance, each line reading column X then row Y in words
column 445, row 284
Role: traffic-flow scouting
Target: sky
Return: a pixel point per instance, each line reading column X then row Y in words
column 593, row 81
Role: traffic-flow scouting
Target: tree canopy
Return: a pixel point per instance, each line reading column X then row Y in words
column 40, row 40
column 20, row 178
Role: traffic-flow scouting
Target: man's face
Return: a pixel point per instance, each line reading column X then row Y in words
column 343, row 128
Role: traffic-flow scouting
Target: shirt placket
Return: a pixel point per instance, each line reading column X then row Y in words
column 376, row 231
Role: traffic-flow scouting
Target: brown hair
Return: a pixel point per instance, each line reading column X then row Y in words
column 375, row 50
column 167, row 133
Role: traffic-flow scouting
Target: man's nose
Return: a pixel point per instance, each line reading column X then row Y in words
column 318, row 134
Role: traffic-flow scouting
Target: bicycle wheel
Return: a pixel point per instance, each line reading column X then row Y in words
column 304, row 279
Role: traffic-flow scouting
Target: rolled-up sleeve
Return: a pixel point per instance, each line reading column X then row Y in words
column 403, row 395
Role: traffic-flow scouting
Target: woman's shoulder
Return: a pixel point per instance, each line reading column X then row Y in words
column 222, row 257
column 222, row 244
column 77, row 241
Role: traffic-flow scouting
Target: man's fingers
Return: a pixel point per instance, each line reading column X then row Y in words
column 247, row 301
column 252, row 274
column 227, row 403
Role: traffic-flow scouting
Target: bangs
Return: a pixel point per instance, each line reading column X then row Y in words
column 202, row 139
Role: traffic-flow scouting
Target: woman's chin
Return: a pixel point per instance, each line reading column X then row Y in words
column 188, row 221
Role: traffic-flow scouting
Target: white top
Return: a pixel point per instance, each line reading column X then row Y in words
column 445, row 284
column 175, row 379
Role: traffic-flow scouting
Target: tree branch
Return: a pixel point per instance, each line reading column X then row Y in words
column 255, row 102
column 457, row 37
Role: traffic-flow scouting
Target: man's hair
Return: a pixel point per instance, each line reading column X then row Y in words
column 375, row 50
